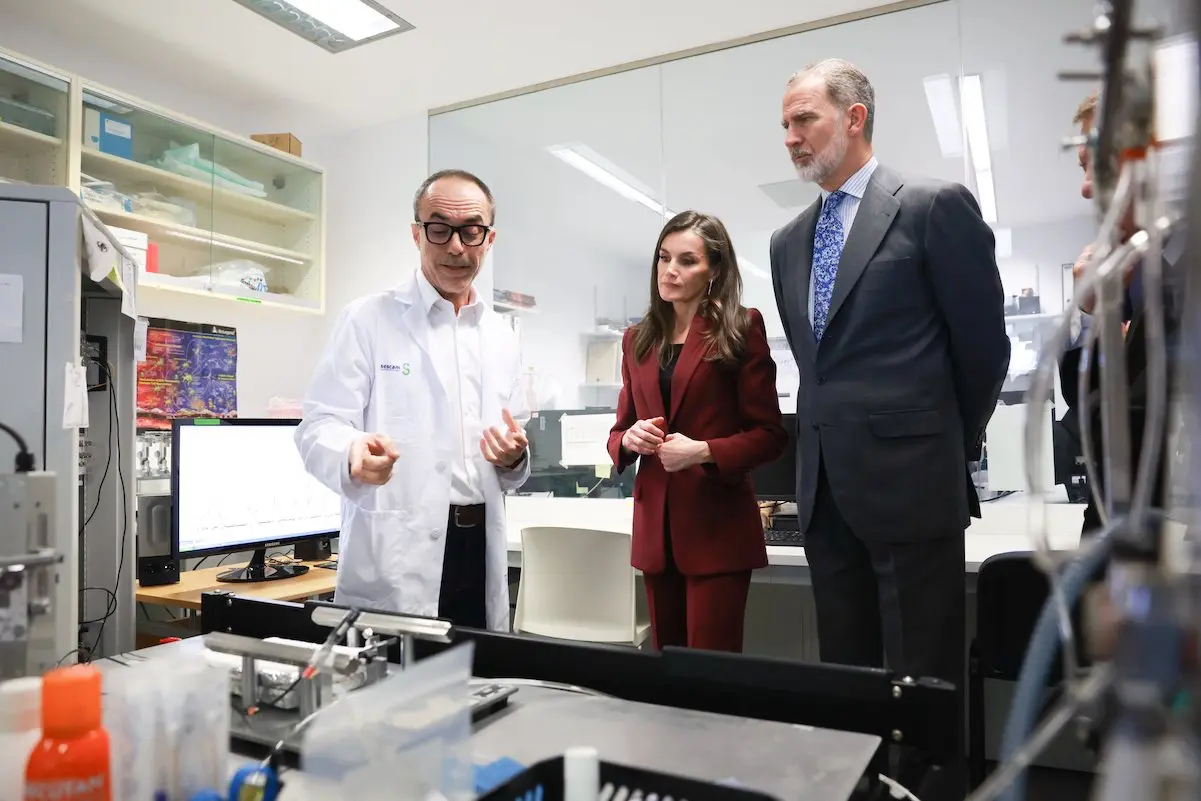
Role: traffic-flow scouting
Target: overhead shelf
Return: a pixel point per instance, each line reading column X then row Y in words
column 508, row 308
column 191, row 286
column 14, row 136
column 163, row 230
column 1035, row 317
column 108, row 149
column 226, row 201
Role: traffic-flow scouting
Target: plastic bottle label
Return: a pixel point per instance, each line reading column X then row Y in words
column 94, row 788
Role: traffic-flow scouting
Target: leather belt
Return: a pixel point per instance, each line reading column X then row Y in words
column 467, row 516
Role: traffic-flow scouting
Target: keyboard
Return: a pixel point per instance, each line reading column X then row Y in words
column 783, row 536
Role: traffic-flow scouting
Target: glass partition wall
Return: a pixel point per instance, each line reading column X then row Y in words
column 585, row 174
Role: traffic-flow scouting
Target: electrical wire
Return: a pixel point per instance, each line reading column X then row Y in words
column 315, row 665
column 1042, row 385
column 108, row 461
column 116, row 429
column 1008, row 773
column 110, row 606
column 1156, row 375
column 1040, row 654
column 24, row 460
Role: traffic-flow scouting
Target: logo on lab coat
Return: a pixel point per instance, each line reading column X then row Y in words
column 403, row 369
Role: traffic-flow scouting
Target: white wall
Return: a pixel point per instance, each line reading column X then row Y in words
column 371, row 175
column 1039, row 253
column 274, row 347
column 573, row 287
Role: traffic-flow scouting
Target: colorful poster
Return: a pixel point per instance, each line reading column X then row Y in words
column 191, row 370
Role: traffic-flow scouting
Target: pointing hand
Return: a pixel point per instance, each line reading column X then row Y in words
column 371, row 459
column 504, row 448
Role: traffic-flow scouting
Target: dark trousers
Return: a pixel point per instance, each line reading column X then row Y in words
column 900, row 602
column 462, row 598
column 696, row 611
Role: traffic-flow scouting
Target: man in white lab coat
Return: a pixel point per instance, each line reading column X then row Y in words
column 408, row 418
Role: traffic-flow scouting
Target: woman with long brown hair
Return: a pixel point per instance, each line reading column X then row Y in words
column 698, row 410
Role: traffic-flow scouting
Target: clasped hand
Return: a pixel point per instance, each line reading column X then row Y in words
column 676, row 452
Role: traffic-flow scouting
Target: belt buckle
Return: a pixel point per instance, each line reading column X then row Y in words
column 459, row 521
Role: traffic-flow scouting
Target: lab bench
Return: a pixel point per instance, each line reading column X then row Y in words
column 789, row 762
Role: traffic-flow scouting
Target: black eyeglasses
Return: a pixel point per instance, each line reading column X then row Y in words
column 439, row 233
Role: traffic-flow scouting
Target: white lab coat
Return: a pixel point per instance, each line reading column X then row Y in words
column 377, row 376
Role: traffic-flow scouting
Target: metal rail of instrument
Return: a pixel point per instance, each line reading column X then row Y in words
column 314, row 688
column 28, row 566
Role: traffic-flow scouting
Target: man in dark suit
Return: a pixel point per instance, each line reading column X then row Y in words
column 1135, row 346
column 892, row 304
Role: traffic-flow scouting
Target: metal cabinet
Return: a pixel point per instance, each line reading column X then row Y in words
column 66, row 320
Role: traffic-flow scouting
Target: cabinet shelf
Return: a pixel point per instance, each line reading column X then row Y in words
column 161, row 229
column 500, row 307
column 218, row 207
column 191, row 287
column 14, row 137
column 114, row 167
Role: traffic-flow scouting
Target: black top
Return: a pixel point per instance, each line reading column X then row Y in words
column 666, row 372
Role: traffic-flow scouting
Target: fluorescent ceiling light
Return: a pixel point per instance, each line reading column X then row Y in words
column 1004, row 242
column 598, row 169
column 334, row 25
column 604, row 172
column 976, row 124
column 940, row 97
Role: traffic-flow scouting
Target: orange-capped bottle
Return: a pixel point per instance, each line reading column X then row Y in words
column 71, row 762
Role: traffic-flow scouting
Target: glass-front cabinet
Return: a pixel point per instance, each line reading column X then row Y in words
column 34, row 105
column 204, row 212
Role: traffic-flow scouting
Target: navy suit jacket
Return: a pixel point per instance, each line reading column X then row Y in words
column 909, row 369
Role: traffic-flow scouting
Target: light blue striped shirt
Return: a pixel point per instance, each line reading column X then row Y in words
column 853, row 188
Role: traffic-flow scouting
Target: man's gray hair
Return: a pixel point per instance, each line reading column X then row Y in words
column 846, row 85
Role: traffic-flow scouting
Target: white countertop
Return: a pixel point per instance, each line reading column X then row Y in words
column 1008, row 524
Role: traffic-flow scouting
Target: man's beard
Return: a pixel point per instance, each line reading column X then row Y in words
column 822, row 165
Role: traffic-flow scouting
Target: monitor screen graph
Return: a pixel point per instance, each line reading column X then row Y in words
column 241, row 485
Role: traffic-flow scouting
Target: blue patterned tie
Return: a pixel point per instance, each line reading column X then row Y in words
column 827, row 250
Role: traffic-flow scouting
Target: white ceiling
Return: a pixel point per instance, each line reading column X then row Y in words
column 703, row 133
column 459, row 51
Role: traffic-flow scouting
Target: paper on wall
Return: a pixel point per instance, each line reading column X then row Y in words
column 139, row 339
column 103, row 258
column 586, row 439
column 129, row 287
column 12, row 301
column 75, row 396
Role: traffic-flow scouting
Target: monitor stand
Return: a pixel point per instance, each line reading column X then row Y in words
column 259, row 570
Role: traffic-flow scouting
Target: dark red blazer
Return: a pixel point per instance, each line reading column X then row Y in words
column 715, row 523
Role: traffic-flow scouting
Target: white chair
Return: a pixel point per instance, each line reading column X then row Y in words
column 577, row 584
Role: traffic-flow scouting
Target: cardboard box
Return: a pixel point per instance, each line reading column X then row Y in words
column 282, row 141
column 107, row 133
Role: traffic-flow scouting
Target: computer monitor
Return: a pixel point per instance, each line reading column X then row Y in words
column 777, row 481
column 239, row 485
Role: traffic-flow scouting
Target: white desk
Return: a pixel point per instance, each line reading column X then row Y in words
column 1006, row 526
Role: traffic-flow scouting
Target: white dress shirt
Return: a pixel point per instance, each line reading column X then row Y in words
column 456, row 340
column 854, row 188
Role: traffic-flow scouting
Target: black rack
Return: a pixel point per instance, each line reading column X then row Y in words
column 544, row 781
column 918, row 713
